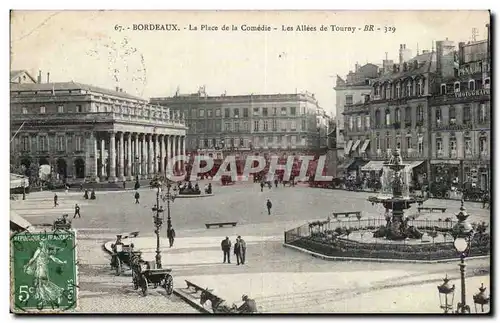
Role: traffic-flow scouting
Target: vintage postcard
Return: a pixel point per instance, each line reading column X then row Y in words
column 250, row 162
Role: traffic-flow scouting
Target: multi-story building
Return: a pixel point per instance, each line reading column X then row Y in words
column 355, row 89
column 461, row 120
column 394, row 116
column 86, row 132
column 249, row 122
column 22, row 77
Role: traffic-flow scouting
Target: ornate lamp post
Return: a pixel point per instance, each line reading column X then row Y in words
column 446, row 295
column 462, row 233
column 481, row 300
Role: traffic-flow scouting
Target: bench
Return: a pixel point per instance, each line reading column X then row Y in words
column 346, row 214
column 432, row 209
column 220, row 224
column 193, row 286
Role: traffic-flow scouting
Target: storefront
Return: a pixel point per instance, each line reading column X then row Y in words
column 445, row 172
column 477, row 173
column 351, row 167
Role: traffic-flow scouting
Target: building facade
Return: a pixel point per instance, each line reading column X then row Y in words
column 249, row 122
column 86, row 132
column 355, row 89
column 461, row 120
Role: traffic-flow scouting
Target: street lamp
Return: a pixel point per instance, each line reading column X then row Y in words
column 446, row 291
column 481, row 300
column 462, row 233
column 158, row 210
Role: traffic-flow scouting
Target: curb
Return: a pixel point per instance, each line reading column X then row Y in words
column 333, row 258
column 191, row 196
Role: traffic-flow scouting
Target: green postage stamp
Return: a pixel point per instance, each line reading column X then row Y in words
column 43, row 271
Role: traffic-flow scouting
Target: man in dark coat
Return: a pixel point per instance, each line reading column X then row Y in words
column 77, row 211
column 262, row 186
column 55, row 200
column 243, row 249
column 137, row 196
column 249, row 305
column 226, row 249
column 237, row 251
column 269, row 206
column 171, row 236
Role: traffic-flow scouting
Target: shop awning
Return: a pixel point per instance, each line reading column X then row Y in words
column 347, row 148
column 18, row 181
column 346, row 164
column 18, row 223
column 356, row 144
column 414, row 164
column 374, row 165
column 364, row 146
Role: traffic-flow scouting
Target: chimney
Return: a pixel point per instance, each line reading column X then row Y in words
column 425, row 51
column 39, row 78
column 401, row 49
column 356, row 67
column 117, row 89
column 48, row 77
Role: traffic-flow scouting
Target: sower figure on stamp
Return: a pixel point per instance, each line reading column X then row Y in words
column 55, row 200
column 269, row 206
column 171, row 236
column 77, row 211
column 226, row 249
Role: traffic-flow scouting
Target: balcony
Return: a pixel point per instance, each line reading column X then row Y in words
column 408, row 124
column 397, row 125
column 467, row 125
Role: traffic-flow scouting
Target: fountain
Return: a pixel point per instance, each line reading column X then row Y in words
column 395, row 197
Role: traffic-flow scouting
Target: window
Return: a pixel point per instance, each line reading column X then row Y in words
column 60, row 143
column 351, row 123
column 359, row 124
column 472, row 85
column 377, row 118
column 227, row 127
column 375, row 90
column 217, row 112
column 456, row 87
column 43, row 143
column 218, row 125
column 78, row 143
column 292, row 111
column 214, row 142
column 303, row 110
column 283, row 125
column 283, row 111
column 348, row 100
column 367, row 98
column 266, row 125
column 420, row 88
column 387, row 117
column 397, row 115
column 205, row 143
column 280, row 139
column 443, row 89
column 453, row 117
column 293, row 125
column 409, row 88
column 367, row 121
column 245, row 112
column 245, row 126
column 420, row 143
column 256, row 125
column 439, row 145
column 275, row 111
column 468, row 146
column 237, row 127
column 241, row 142
column 275, row 125
column 42, row 109
column 420, row 114
column 408, row 143
column 438, row 115
column 398, row 91
column 226, row 113
column 398, row 143
column 255, row 111
column 408, row 116
column 377, row 143
column 25, row 143
column 483, row 144
column 202, row 113
column 466, row 114
column 303, row 125
column 25, row 110
column 231, row 142
column 482, row 117
column 236, row 112
column 209, row 113
column 453, row 145
column 60, row 109
column 264, row 112
column 487, row 83
column 79, row 109
column 387, row 142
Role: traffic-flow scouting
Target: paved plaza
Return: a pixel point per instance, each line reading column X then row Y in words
column 281, row 280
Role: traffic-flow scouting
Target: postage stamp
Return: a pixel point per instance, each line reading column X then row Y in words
column 44, row 271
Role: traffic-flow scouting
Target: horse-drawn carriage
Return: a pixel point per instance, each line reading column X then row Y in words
column 144, row 275
column 122, row 253
column 62, row 223
column 472, row 193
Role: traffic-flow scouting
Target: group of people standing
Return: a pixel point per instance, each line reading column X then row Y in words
column 240, row 250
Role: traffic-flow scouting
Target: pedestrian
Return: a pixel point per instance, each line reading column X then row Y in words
column 77, row 211
column 248, row 306
column 276, row 182
column 81, row 187
column 262, row 186
column 92, row 195
column 171, row 236
column 66, row 188
column 137, row 196
column 269, row 206
column 226, row 249
column 124, row 185
column 243, row 248
column 55, row 200
column 237, row 251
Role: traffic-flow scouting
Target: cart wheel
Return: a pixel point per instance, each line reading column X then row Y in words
column 134, row 280
column 168, row 284
column 144, row 285
column 118, row 267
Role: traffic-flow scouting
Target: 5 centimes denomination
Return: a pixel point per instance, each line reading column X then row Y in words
column 43, row 271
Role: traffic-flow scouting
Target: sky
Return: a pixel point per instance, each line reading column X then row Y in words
column 101, row 48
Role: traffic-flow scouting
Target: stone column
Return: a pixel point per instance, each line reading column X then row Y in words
column 162, row 155
column 151, row 157
column 183, row 150
column 167, row 151
column 177, row 150
column 158, row 161
column 121, row 156
column 104, row 173
column 129, row 156
column 144, row 169
column 137, row 157
column 95, row 169
column 154, row 139
column 112, row 157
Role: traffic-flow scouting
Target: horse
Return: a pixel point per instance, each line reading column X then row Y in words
column 218, row 304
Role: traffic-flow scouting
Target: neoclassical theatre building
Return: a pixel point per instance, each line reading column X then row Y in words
column 88, row 133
